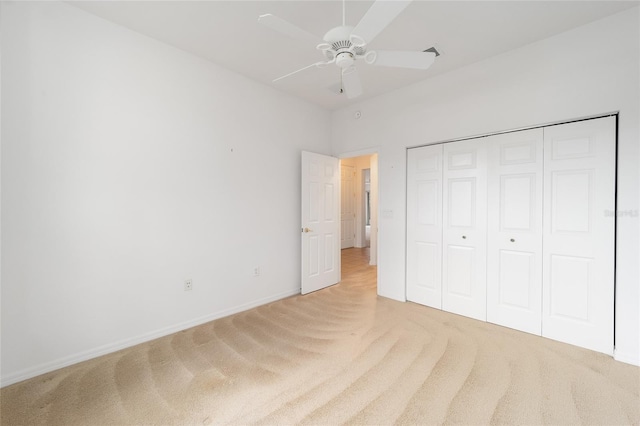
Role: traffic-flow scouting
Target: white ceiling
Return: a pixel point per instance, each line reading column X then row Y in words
column 228, row 33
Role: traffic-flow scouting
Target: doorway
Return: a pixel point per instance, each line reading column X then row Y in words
column 320, row 207
column 359, row 204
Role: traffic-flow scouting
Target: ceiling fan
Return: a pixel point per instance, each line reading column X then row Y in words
column 344, row 45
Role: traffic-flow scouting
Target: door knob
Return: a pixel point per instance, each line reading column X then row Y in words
column 464, row 237
column 512, row 240
column 305, row 230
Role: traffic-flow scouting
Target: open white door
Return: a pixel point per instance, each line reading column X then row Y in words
column 320, row 221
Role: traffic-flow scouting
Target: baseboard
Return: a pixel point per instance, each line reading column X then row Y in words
column 627, row 358
column 28, row 373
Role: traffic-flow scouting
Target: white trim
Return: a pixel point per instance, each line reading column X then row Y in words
column 126, row 343
column 517, row 129
column 627, row 358
column 359, row 153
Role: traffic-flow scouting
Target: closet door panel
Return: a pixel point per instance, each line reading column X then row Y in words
column 424, row 225
column 461, row 193
column 578, row 280
column 462, row 265
column 464, row 228
column 516, row 282
column 514, row 242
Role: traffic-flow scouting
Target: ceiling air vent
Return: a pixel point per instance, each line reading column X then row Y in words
column 434, row 50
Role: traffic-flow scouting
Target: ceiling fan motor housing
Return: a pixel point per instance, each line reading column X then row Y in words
column 344, row 52
column 338, row 34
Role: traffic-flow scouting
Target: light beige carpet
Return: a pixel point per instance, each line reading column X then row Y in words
column 341, row 355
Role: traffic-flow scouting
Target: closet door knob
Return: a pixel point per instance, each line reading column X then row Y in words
column 512, row 240
column 464, row 237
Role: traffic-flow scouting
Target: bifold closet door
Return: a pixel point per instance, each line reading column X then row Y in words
column 514, row 241
column 424, row 225
column 465, row 228
column 578, row 239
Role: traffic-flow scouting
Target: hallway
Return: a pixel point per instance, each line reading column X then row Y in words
column 356, row 269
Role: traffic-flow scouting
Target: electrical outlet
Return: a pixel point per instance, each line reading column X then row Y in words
column 256, row 271
column 188, row 285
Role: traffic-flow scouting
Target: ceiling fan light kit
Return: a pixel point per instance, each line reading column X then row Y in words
column 344, row 60
column 344, row 45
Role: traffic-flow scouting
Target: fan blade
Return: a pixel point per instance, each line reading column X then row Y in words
column 404, row 59
column 351, row 82
column 288, row 29
column 379, row 15
column 317, row 64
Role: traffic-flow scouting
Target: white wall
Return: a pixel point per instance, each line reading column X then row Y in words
column 591, row 70
column 127, row 167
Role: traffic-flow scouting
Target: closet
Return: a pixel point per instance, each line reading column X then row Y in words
column 513, row 229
